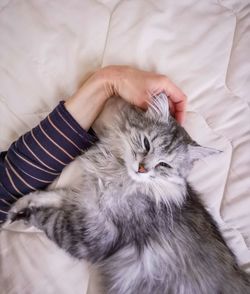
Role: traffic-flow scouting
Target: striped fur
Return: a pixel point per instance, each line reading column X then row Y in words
column 136, row 217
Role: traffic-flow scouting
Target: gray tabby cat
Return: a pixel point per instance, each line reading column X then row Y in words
column 136, row 216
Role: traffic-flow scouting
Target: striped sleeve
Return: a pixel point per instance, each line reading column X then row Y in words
column 38, row 157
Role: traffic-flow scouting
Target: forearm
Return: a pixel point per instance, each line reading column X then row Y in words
column 86, row 104
column 39, row 156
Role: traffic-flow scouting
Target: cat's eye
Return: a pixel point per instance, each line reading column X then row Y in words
column 164, row 164
column 146, row 144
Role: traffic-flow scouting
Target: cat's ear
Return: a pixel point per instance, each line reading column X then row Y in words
column 159, row 107
column 197, row 152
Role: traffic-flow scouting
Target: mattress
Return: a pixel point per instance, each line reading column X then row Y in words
column 47, row 50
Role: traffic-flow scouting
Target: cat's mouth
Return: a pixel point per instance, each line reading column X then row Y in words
column 139, row 175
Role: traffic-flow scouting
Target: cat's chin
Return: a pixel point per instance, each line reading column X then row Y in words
column 139, row 177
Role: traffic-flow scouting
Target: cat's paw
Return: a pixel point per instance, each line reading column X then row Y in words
column 22, row 209
column 26, row 206
column 23, row 214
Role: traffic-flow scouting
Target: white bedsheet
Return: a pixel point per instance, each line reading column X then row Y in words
column 47, row 48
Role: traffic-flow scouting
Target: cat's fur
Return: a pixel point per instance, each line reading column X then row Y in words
column 147, row 231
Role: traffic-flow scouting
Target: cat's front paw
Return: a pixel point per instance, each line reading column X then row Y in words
column 26, row 206
column 22, row 209
column 23, row 214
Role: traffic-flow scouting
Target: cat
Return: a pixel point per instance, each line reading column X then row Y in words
column 136, row 217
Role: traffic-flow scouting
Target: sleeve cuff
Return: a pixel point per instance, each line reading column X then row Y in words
column 89, row 137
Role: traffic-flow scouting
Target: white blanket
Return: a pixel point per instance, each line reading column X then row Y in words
column 47, row 48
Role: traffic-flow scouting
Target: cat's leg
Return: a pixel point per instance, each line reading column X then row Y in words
column 82, row 231
column 32, row 201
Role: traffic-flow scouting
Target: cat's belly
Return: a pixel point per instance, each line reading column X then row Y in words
column 157, row 269
column 150, row 271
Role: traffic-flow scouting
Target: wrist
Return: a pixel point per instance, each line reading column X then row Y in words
column 86, row 104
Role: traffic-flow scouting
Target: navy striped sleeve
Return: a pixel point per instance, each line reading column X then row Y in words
column 38, row 157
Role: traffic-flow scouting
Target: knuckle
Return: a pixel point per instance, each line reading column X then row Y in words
column 184, row 97
column 163, row 78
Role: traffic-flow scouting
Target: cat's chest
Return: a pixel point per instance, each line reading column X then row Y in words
column 124, row 202
column 110, row 186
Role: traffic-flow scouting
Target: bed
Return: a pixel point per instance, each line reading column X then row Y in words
column 49, row 47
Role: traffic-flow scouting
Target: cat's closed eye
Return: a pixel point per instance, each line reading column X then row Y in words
column 164, row 164
column 146, row 144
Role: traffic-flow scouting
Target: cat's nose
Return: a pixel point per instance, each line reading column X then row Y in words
column 141, row 168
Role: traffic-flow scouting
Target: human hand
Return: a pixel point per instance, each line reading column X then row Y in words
column 135, row 86
column 138, row 87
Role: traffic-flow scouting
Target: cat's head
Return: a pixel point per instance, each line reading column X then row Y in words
column 155, row 148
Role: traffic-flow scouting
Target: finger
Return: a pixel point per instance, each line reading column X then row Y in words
column 176, row 93
column 178, row 98
column 175, row 112
column 180, row 112
column 180, row 117
column 144, row 105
